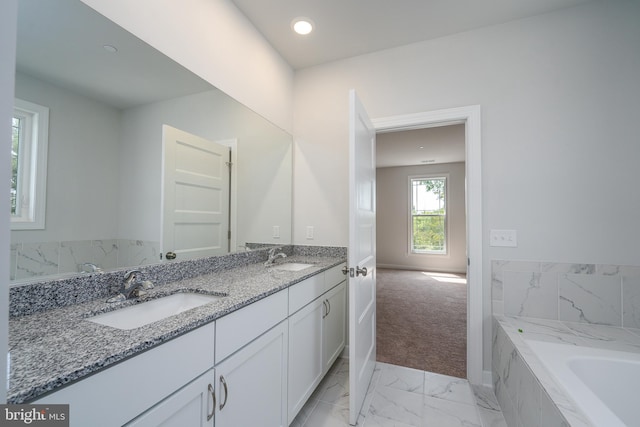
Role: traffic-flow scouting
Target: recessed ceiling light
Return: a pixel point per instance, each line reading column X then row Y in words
column 302, row 25
column 110, row 48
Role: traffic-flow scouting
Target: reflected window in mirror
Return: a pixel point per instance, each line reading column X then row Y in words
column 29, row 144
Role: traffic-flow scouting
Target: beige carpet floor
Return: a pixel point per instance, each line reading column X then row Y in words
column 422, row 320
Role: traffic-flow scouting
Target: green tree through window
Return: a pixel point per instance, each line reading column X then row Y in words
column 428, row 215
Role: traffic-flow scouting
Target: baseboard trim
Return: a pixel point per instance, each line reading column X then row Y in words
column 487, row 379
column 417, row 268
column 345, row 352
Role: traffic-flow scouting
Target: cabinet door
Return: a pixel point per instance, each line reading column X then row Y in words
column 192, row 405
column 334, row 334
column 252, row 383
column 305, row 354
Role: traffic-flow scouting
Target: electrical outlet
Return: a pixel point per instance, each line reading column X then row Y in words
column 507, row 238
column 276, row 231
column 309, row 232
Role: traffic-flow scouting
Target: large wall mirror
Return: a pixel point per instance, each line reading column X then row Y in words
column 111, row 99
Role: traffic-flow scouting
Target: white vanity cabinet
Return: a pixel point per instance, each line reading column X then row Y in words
column 120, row 393
column 256, row 366
column 335, row 331
column 251, row 384
column 251, row 365
column 317, row 333
column 305, row 355
column 193, row 405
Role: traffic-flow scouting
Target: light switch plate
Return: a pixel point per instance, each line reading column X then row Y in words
column 310, row 232
column 276, row 231
column 507, row 238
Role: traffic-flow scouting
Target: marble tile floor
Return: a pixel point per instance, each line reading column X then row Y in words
column 401, row 397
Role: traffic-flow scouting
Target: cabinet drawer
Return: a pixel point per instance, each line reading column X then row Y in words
column 131, row 387
column 306, row 291
column 237, row 329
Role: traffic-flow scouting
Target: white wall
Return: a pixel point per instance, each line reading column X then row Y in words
column 559, row 110
column 82, row 167
column 8, row 29
column 392, row 219
column 213, row 39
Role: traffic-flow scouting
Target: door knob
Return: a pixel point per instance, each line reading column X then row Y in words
column 345, row 270
column 360, row 271
column 170, row 255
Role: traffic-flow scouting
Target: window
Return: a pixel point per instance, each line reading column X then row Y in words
column 30, row 126
column 428, row 215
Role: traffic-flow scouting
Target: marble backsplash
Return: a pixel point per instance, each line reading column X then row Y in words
column 32, row 260
column 33, row 297
column 585, row 293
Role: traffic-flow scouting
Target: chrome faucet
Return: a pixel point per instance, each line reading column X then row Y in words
column 273, row 256
column 131, row 287
column 88, row 267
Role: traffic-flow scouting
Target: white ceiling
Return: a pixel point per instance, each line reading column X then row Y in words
column 62, row 42
column 443, row 144
column 345, row 28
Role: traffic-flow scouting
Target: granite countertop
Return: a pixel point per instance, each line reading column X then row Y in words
column 52, row 348
column 521, row 329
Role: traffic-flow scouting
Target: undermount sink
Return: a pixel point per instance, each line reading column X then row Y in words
column 144, row 313
column 291, row 266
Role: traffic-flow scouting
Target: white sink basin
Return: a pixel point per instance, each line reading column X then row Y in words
column 291, row 266
column 148, row 312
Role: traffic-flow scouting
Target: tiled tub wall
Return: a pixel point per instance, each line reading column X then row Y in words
column 30, row 260
column 522, row 398
column 586, row 293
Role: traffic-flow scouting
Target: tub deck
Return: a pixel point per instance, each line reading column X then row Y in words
column 528, row 393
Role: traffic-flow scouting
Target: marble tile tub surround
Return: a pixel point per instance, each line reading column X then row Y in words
column 54, row 347
column 586, row 293
column 527, row 393
column 34, row 297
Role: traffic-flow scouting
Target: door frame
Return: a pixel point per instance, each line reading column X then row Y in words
column 233, row 192
column 470, row 117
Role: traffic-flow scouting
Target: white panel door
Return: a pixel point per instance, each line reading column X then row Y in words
column 362, row 255
column 195, row 195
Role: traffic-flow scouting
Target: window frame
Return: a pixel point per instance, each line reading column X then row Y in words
column 32, row 168
column 445, row 251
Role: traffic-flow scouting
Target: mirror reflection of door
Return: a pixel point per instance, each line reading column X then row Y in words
column 195, row 196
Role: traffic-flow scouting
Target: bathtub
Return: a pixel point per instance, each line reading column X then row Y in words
column 604, row 384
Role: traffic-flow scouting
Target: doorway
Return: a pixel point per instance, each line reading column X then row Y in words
column 470, row 117
column 421, row 251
